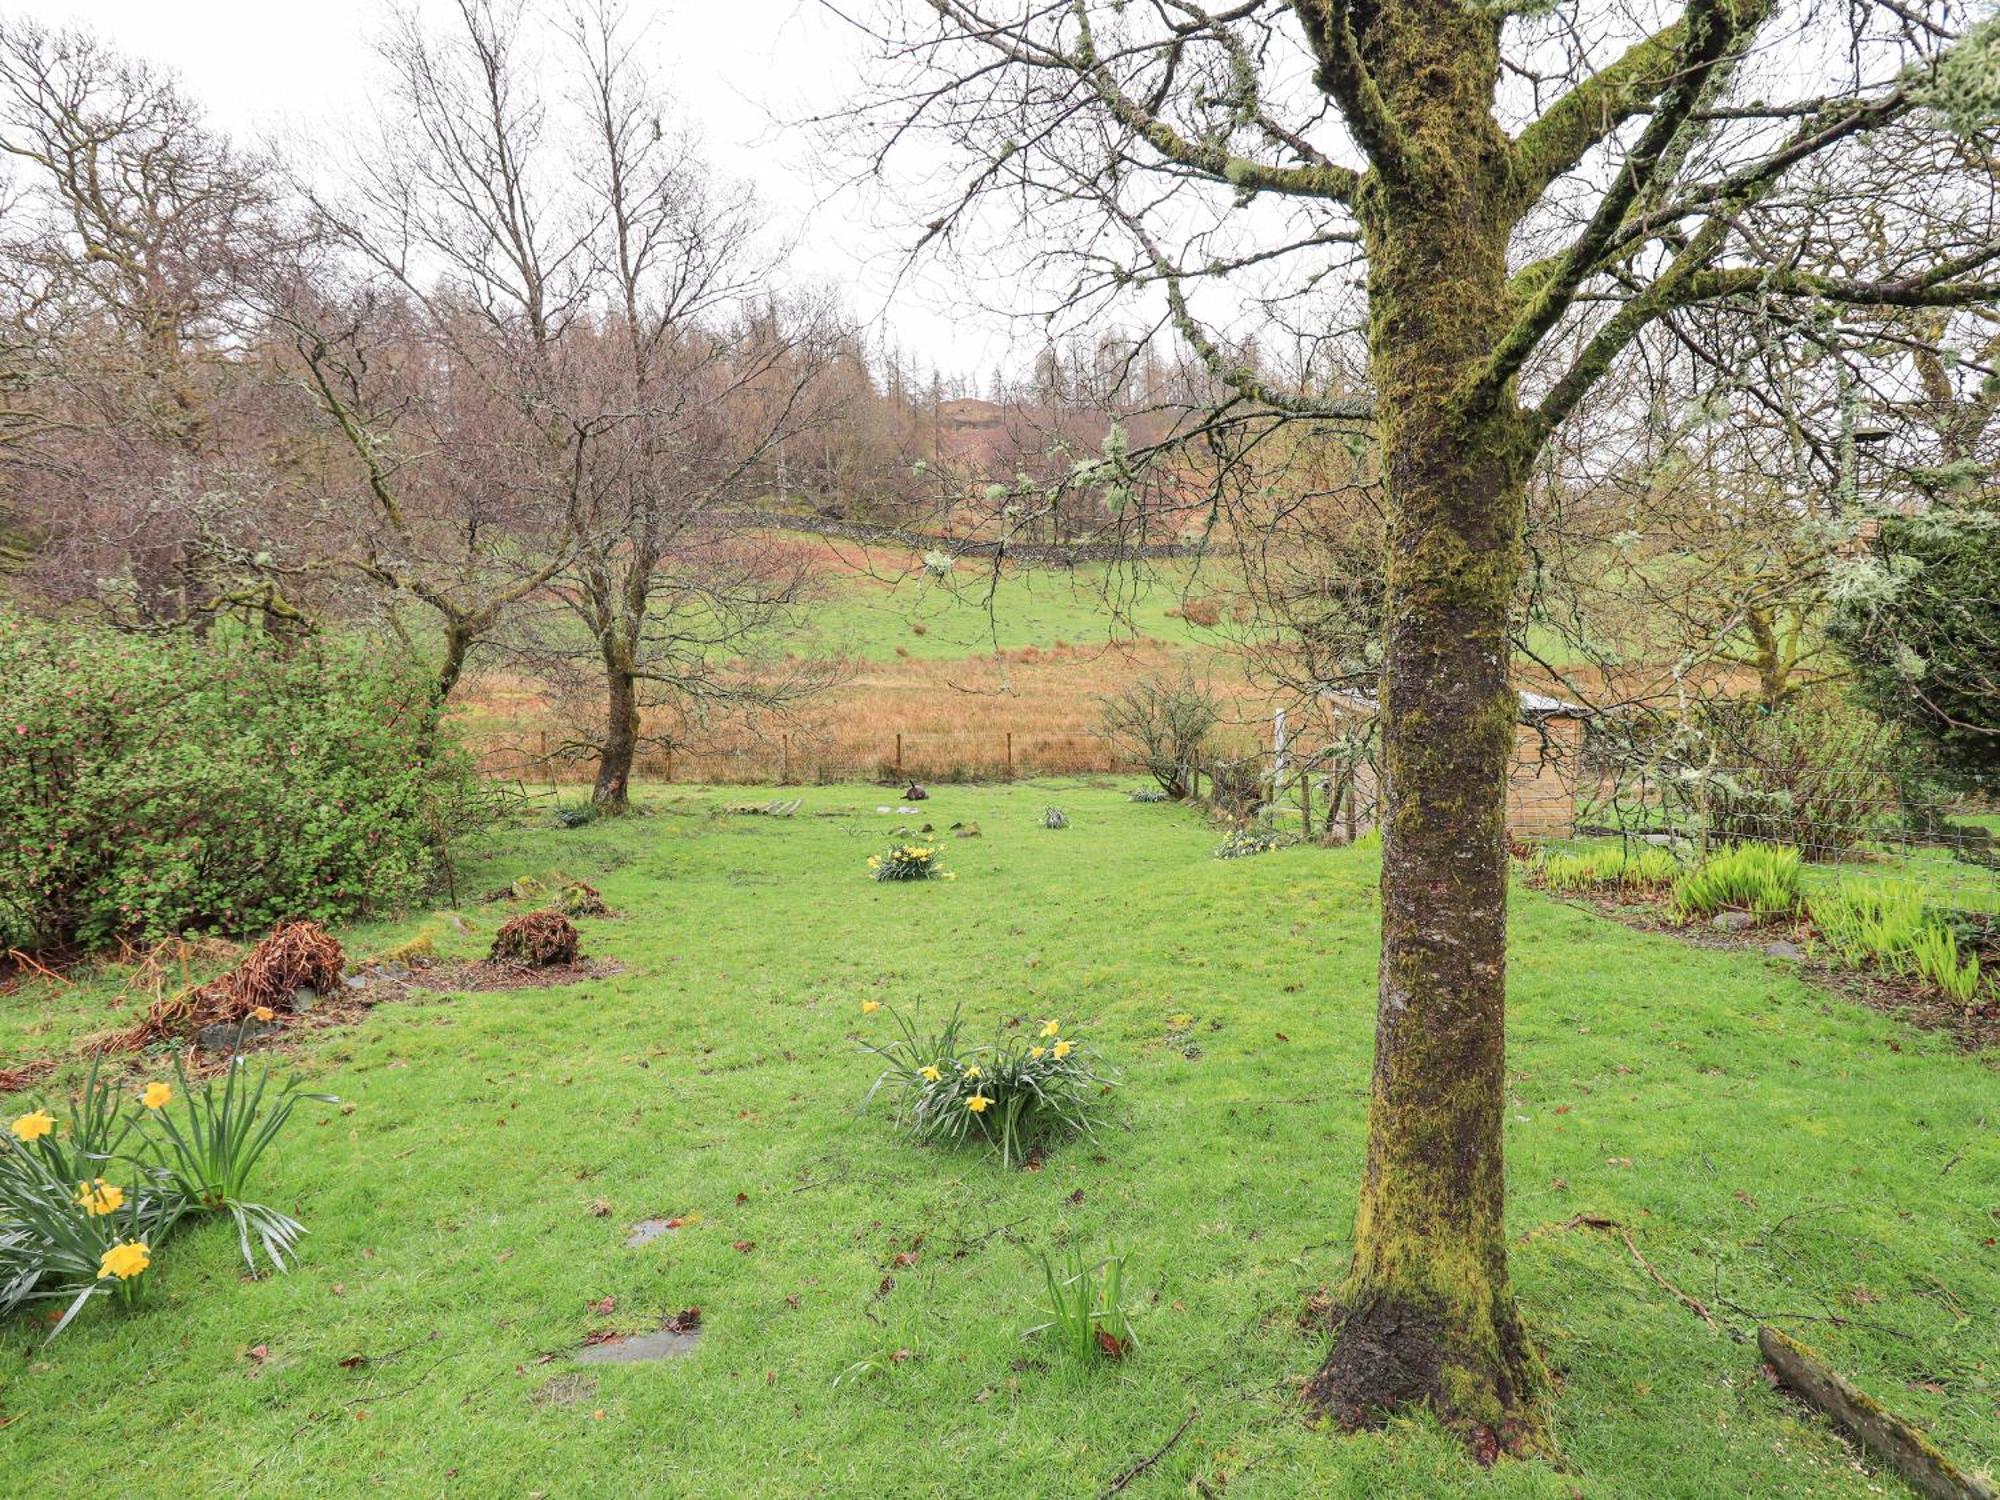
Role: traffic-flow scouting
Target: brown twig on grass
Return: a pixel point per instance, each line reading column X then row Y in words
column 1595, row 1221
column 1693, row 1304
column 42, row 969
column 1155, row 1456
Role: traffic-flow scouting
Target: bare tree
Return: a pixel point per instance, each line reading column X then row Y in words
column 1532, row 190
column 140, row 402
column 592, row 368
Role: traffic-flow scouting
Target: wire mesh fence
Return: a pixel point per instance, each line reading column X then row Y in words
column 796, row 759
column 1851, row 822
column 1855, row 820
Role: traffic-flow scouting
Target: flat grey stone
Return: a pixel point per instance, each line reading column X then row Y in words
column 639, row 1348
column 356, row 981
column 304, row 998
column 564, row 1390
column 221, row 1035
column 646, row 1231
column 1784, row 950
column 1731, row 921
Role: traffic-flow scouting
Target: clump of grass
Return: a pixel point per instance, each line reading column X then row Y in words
column 908, row 862
column 1019, row 1094
column 1086, row 1317
column 1935, row 958
column 1762, row 879
column 1877, row 922
column 1607, row 866
column 1887, row 924
column 1150, row 794
column 1055, row 817
column 210, row 1153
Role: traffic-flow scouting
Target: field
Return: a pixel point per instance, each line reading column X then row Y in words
column 1769, row 1150
column 982, row 673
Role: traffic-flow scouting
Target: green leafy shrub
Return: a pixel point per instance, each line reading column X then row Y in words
column 1018, row 1094
column 908, row 862
column 87, row 1197
column 163, row 785
column 1055, row 817
column 1762, row 879
column 1150, row 794
column 1918, row 619
column 1086, row 1308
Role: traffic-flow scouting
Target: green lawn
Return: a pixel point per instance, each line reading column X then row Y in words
column 1771, row 1150
column 970, row 610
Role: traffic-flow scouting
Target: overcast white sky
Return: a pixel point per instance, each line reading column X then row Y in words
column 297, row 71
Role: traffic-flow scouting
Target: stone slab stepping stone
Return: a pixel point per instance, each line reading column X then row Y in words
column 647, row 1230
column 640, row 1347
column 1783, row 950
column 564, row 1390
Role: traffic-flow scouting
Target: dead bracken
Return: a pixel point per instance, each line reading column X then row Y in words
column 536, row 939
column 294, row 956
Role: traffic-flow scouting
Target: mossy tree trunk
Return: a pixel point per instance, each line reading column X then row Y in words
column 1428, row 1315
column 612, row 791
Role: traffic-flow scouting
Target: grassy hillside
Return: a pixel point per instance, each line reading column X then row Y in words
column 1771, row 1151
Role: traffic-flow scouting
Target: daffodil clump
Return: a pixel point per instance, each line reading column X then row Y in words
column 909, row 862
column 89, row 1191
column 1031, row 1087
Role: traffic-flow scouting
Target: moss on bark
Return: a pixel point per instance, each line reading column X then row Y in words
column 1428, row 1314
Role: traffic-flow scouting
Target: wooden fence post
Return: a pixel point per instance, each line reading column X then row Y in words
column 670, row 762
column 899, row 755
column 1306, row 801
column 1010, row 755
column 786, row 741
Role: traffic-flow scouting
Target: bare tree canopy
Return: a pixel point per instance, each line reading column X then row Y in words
column 1463, row 217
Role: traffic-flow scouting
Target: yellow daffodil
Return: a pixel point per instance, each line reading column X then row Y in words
column 932, row 1073
column 1061, row 1050
column 1037, row 1051
column 874, row 861
column 157, row 1095
column 1051, row 1027
column 124, row 1261
column 977, row 1104
column 98, row 1197
column 970, row 1070
column 32, row 1127
column 263, row 1013
column 869, row 1007
column 1180, row 1022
